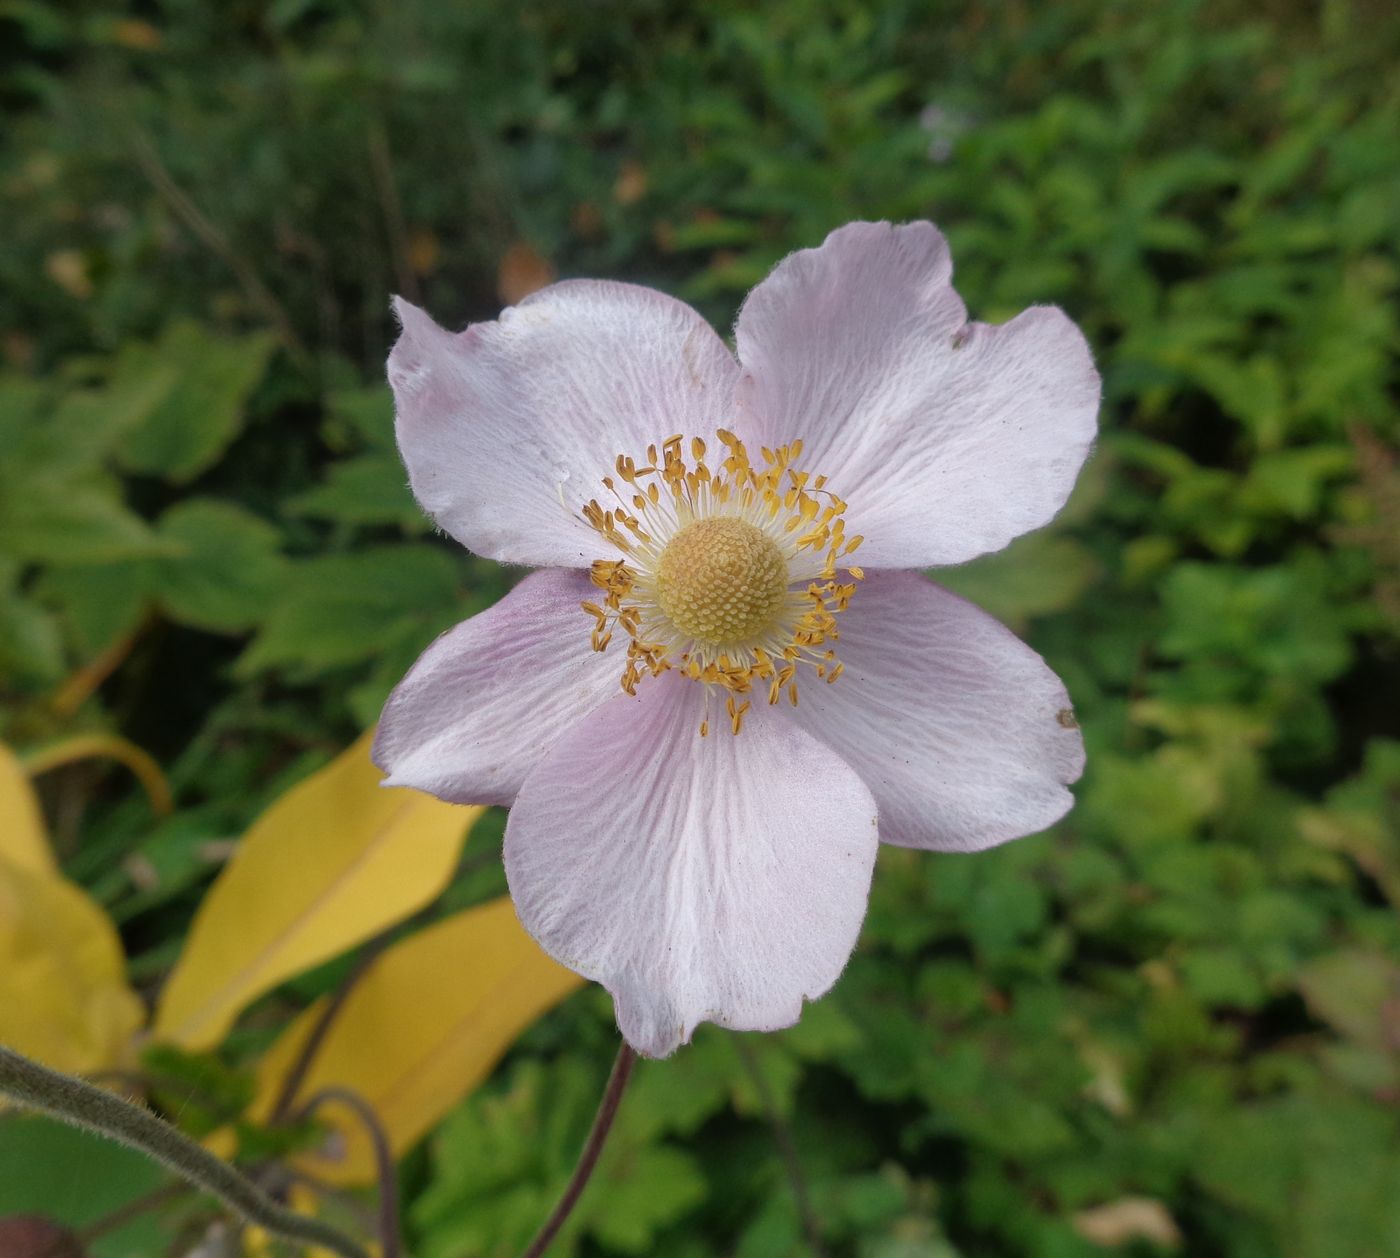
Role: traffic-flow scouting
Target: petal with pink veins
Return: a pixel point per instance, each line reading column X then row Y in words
column 964, row 735
column 946, row 438
column 486, row 701
column 718, row 879
column 508, row 428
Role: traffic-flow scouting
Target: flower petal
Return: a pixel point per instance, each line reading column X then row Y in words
column 946, row 438
column 963, row 734
column 719, row 879
column 485, row 702
column 509, row 427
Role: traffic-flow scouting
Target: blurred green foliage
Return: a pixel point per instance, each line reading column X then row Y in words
column 1177, row 1015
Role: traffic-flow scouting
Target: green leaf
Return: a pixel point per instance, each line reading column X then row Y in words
column 1223, row 976
column 1321, row 1170
column 22, row 404
column 502, row 1159
column 497, row 1162
column 367, row 412
column 76, row 1178
column 1357, row 993
column 1292, row 482
column 675, row 1096
column 1275, row 620
column 98, row 602
column 367, row 489
column 177, row 853
column 1034, row 576
column 203, row 409
column 641, row 1192
column 84, row 427
column 220, row 569
column 57, row 503
column 231, row 570
column 78, row 520
column 341, row 609
column 1362, row 817
column 31, row 646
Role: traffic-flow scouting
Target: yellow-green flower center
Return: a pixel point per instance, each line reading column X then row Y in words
column 728, row 572
column 722, row 581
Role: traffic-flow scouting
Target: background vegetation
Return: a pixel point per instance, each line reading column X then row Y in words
column 1172, row 1022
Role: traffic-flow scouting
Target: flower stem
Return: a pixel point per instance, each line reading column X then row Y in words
column 387, row 1222
column 316, row 1038
column 588, row 1159
column 83, row 1105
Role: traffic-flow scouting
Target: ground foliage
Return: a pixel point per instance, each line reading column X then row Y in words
column 1172, row 1021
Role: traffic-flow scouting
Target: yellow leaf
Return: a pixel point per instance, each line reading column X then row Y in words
column 424, row 1026
column 63, row 993
column 335, row 860
column 23, row 838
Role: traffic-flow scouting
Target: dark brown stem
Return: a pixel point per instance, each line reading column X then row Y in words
column 787, row 1150
column 390, row 1244
column 311, row 1046
column 381, row 166
column 184, row 208
column 588, row 1159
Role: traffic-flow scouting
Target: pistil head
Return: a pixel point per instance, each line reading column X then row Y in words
column 729, row 572
column 722, row 581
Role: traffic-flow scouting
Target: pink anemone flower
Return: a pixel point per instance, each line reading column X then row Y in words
column 701, row 713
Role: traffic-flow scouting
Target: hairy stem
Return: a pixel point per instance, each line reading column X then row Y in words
column 83, row 1105
column 588, row 1159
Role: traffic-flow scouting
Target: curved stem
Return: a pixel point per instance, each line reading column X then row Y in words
column 588, row 1159
column 83, row 1105
column 388, row 1221
column 142, row 764
column 316, row 1037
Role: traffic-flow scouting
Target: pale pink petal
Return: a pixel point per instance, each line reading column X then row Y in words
column 719, row 879
column 509, row 427
column 947, row 439
column 963, row 734
column 487, row 700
